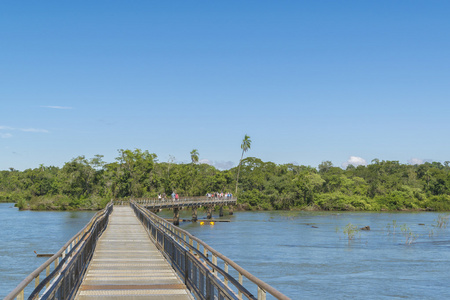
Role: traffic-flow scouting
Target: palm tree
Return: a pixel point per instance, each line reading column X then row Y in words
column 194, row 156
column 246, row 144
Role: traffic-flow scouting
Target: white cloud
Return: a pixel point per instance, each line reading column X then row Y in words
column 355, row 161
column 221, row 165
column 415, row 161
column 57, row 107
column 34, row 130
column 5, row 135
column 205, row 161
column 22, row 129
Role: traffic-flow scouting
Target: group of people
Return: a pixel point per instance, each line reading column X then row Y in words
column 162, row 197
column 220, row 195
column 175, row 197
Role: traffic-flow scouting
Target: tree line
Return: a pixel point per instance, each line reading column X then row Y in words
column 84, row 183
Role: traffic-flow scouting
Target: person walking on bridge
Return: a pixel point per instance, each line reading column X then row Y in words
column 176, row 197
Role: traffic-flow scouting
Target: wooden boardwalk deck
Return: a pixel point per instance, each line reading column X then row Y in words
column 127, row 265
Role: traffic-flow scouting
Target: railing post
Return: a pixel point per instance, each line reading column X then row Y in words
column 261, row 294
column 21, row 295
column 36, row 281
column 47, row 272
column 226, row 271
column 214, row 261
column 186, row 266
column 240, row 282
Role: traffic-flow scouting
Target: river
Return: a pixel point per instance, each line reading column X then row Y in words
column 23, row 232
column 305, row 255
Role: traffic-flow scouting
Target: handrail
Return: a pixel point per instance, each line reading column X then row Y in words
column 180, row 199
column 188, row 240
column 183, row 202
column 66, row 249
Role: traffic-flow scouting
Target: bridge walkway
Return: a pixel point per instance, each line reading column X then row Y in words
column 126, row 264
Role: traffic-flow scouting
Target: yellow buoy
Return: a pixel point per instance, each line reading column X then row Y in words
column 211, row 223
column 202, row 223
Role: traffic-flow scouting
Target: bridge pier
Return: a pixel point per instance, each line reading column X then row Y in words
column 176, row 216
column 209, row 212
column 230, row 209
column 221, row 211
column 194, row 214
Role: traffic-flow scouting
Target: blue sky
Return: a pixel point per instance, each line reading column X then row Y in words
column 307, row 80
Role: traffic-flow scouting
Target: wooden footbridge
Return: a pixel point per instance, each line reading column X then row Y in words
column 192, row 203
column 128, row 252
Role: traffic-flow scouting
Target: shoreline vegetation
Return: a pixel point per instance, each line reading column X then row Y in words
column 88, row 184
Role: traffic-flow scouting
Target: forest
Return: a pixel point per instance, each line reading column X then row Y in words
column 88, row 184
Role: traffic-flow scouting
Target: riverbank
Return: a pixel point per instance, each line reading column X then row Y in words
column 324, row 202
column 246, row 207
column 241, row 207
column 62, row 203
column 339, row 201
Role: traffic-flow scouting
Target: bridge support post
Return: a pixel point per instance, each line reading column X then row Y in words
column 230, row 210
column 194, row 214
column 221, row 211
column 176, row 216
column 209, row 212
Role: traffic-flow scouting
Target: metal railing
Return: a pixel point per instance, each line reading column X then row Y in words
column 154, row 203
column 183, row 198
column 190, row 257
column 146, row 201
column 65, row 269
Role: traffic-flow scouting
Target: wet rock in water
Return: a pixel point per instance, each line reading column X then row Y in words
column 366, row 228
column 314, row 226
column 422, row 224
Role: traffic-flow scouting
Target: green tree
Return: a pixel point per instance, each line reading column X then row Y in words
column 325, row 166
column 136, row 172
column 245, row 146
column 309, row 182
column 77, row 178
column 194, row 156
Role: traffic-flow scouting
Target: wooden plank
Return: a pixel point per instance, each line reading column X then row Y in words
column 133, row 287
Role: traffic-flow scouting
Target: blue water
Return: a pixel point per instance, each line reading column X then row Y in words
column 22, row 232
column 286, row 251
column 281, row 248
